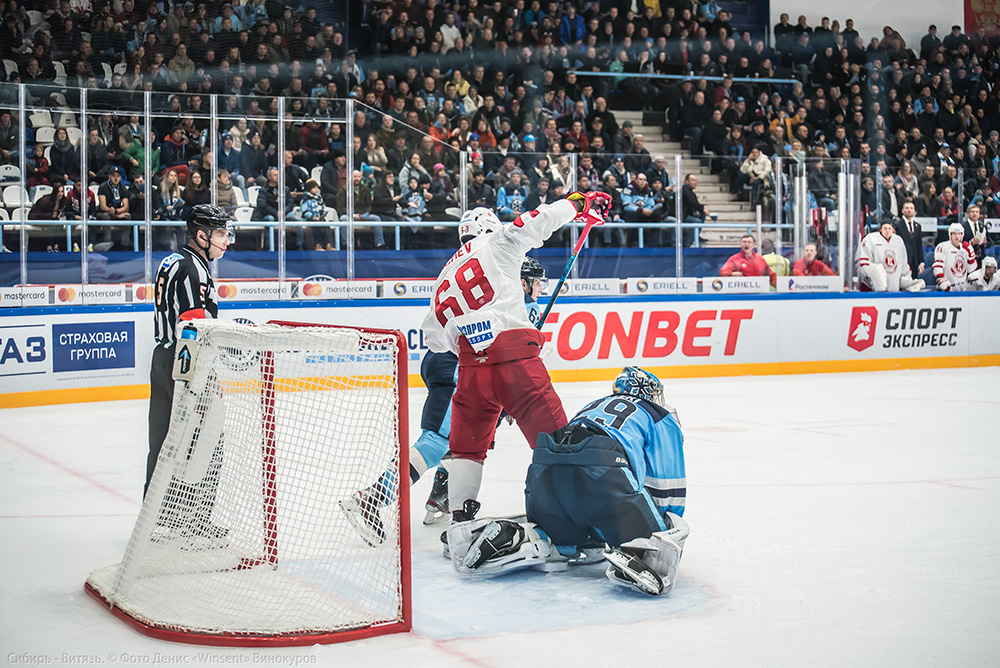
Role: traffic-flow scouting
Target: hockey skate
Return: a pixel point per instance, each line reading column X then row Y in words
column 497, row 539
column 629, row 570
column 362, row 511
column 437, row 502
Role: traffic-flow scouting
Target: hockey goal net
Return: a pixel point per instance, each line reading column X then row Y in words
column 243, row 538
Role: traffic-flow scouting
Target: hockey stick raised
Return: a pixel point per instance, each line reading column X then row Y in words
column 568, row 268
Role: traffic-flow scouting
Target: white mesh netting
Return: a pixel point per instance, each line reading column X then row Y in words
column 243, row 530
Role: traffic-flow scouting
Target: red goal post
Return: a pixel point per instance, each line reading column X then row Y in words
column 241, row 539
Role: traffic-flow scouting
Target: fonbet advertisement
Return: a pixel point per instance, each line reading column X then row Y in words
column 584, row 340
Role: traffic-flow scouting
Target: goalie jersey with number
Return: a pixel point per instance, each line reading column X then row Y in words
column 891, row 255
column 478, row 294
column 653, row 442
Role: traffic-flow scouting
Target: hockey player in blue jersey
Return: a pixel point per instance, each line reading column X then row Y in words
column 613, row 476
column 439, row 372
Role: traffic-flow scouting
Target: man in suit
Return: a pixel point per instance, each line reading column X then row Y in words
column 975, row 232
column 909, row 231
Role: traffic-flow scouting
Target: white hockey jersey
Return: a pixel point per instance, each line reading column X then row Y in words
column 890, row 255
column 977, row 283
column 478, row 294
column 952, row 264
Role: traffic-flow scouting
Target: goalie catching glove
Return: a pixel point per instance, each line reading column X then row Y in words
column 591, row 207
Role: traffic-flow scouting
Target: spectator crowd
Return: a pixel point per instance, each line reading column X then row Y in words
column 506, row 81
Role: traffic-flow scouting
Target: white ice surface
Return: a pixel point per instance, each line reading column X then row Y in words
column 836, row 520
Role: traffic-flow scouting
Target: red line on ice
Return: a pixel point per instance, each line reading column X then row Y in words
column 62, row 467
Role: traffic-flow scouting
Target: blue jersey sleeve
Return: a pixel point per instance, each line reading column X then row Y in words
column 653, row 443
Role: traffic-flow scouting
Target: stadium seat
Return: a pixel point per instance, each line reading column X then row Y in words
column 15, row 196
column 9, row 173
column 40, row 192
column 74, row 135
column 40, row 119
column 35, row 17
column 60, row 70
column 243, row 214
column 252, row 195
column 241, row 199
column 67, row 119
column 46, row 135
column 317, row 173
column 9, row 66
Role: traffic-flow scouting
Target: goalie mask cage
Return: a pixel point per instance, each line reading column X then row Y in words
column 241, row 539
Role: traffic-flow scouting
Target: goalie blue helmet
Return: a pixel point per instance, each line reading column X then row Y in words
column 639, row 383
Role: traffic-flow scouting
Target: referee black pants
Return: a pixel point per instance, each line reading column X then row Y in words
column 161, row 398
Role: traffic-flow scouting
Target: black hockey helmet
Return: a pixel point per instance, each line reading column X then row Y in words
column 209, row 218
column 532, row 269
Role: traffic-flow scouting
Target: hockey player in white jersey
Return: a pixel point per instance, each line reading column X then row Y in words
column 882, row 263
column 615, row 474
column 953, row 259
column 439, row 372
column 478, row 313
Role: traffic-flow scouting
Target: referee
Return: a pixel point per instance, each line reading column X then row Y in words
column 184, row 291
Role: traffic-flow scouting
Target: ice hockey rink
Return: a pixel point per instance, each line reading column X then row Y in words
column 836, row 520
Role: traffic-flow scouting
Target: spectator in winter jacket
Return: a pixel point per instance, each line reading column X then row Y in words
column 267, row 198
column 362, row 207
column 480, row 192
column 253, row 161
column 229, row 160
column 176, row 155
column 311, row 209
column 511, row 197
column 638, row 200
column 637, row 159
column 747, row 262
column 543, row 194
column 37, row 168
column 571, row 27
column 755, row 171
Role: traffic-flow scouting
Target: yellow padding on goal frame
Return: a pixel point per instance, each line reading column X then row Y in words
column 315, row 383
column 124, row 392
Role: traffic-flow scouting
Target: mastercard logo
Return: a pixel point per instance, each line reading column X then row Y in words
column 66, row 294
column 399, row 289
column 312, row 289
column 226, row 291
column 642, row 286
column 717, row 285
column 141, row 291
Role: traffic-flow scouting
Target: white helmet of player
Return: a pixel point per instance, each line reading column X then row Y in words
column 639, row 383
column 477, row 222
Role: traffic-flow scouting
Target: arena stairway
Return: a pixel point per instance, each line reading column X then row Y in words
column 713, row 189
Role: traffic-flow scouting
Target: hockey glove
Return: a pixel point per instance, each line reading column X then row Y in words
column 591, row 207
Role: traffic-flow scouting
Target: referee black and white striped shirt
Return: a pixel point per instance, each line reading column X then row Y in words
column 183, row 286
